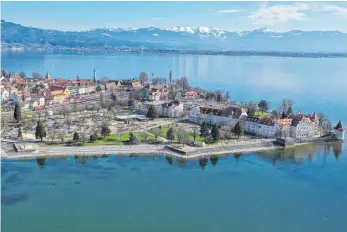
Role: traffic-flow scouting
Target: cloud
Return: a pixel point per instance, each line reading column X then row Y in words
column 229, row 11
column 270, row 15
column 335, row 10
column 279, row 14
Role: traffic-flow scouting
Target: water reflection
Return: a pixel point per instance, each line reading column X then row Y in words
column 297, row 156
column 203, row 163
column 41, row 161
column 214, row 160
column 169, row 159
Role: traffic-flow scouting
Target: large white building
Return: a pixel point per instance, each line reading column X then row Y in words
column 297, row 127
column 304, row 126
column 221, row 116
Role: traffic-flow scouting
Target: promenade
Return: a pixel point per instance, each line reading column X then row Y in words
column 146, row 149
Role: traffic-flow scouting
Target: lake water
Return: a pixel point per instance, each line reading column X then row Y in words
column 301, row 189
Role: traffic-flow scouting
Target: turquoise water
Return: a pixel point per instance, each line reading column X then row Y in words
column 302, row 189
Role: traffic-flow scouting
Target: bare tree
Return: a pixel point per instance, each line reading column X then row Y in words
column 156, row 133
column 52, row 134
column 182, row 135
column 195, row 132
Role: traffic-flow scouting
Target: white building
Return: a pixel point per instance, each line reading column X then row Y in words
column 304, row 126
column 172, row 110
column 39, row 99
column 221, row 116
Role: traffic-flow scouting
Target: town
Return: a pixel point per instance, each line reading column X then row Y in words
column 145, row 110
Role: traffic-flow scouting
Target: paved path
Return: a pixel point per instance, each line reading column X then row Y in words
column 144, row 149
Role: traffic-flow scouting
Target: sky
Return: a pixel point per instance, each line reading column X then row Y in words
column 278, row 16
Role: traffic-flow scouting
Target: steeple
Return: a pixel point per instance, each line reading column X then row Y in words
column 47, row 76
column 78, row 78
column 94, row 77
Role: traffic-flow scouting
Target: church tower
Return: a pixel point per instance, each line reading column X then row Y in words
column 94, row 77
column 340, row 131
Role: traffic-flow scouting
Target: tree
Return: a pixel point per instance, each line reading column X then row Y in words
column 239, row 129
column 4, row 73
column 195, row 132
column 183, row 83
column 156, row 133
column 219, row 97
column 105, row 131
column 17, row 112
column 104, row 80
column 152, row 112
column 286, row 103
column 40, row 131
column 98, row 88
column 275, row 114
column 289, row 110
column 284, row 115
column 20, row 135
column 227, row 96
column 204, row 132
column 143, row 78
column 215, row 133
column 182, row 135
column 76, row 136
column 23, row 75
column 170, row 134
column 37, row 75
column 51, row 134
column 92, row 138
column 132, row 138
column 263, row 105
column 251, row 110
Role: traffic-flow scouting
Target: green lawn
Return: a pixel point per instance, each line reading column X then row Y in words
column 165, row 128
column 118, row 139
column 261, row 114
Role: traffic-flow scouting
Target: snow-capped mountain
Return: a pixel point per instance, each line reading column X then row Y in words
column 177, row 38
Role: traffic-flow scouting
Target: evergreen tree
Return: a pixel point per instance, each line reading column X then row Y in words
column 98, row 88
column 40, row 131
column 76, row 136
column 92, row 138
column 239, row 129
column 132, row 138
column 170, row 134
column 215, row 133
column 263, row 105
column 204, row 130
column 152, row 112
column 227, row 96
column 17, row 113
column 105, row 131
column 170, row 77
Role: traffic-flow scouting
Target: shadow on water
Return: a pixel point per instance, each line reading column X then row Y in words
column 13, row 199
column 214, row 160
column 203, row 163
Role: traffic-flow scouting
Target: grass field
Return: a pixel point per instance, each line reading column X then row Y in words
column 261, row 114
column 118, row 139
column 165, row 128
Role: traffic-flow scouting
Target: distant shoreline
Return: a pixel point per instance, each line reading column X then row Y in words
column 184, row 52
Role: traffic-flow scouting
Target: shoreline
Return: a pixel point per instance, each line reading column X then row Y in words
column 140, row 150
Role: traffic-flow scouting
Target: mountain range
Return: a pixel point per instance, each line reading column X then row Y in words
column 176, row 38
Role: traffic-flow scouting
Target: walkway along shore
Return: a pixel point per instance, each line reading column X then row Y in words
column 142, row 149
